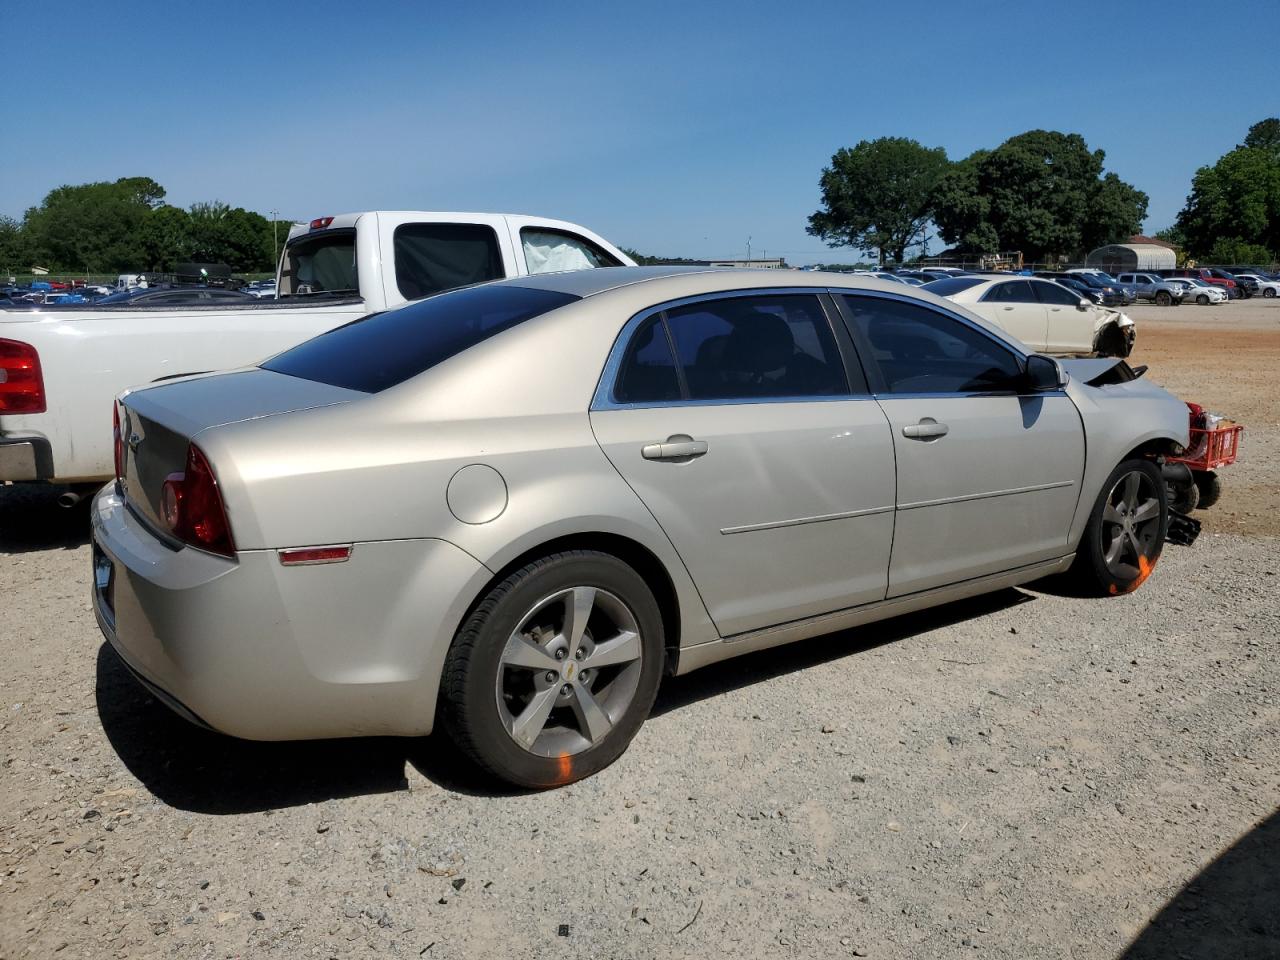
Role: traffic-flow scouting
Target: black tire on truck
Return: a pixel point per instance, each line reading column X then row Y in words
column 1163, row 299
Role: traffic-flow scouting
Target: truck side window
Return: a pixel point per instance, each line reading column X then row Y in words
column 431, row 257
column 547, row 251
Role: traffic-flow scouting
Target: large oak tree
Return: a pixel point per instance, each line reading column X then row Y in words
column 877, row 195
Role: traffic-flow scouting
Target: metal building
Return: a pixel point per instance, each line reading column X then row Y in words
column 1126, row 257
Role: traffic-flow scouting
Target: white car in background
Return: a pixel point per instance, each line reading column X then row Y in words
column 1044, row 315
column 1265, row 288
column 1203, row 293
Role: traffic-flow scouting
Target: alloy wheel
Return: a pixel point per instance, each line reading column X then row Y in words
column 1131, row 526
column 569, row 671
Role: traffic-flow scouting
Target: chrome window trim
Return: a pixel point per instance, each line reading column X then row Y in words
column 603, row 398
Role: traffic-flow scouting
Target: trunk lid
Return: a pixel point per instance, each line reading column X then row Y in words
column 157, row 423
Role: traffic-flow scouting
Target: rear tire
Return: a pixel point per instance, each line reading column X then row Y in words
column 1125, row 532
column 533, row 700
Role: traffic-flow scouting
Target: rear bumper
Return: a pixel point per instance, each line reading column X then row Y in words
column 265, row 652
column 24, row 459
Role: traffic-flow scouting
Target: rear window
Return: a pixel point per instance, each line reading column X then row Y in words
column 382, row 350
column 951, row 285
column 431, row 257
column 322, row 263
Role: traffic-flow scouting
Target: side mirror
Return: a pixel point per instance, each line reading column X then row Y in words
column 1083, row 304
column 1045, row 373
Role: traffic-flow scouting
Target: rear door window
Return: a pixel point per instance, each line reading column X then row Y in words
column 744, row 349
column 1015, row 291
column 549, row 251
column 433, row 257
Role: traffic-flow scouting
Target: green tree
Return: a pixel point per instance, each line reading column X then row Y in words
column 237, row 237
column 15, row 255
column 1228, row 250
column 1238, row 198
column 1264, row 135
column 878, row 195
column 93, row 226
column 1041, row 192
column 166, row 238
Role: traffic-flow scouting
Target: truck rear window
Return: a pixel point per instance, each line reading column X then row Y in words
column 384, row 349
column 321, row 263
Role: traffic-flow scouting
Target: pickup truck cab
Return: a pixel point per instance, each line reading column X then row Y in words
column 62, row 367
column 1158, row 290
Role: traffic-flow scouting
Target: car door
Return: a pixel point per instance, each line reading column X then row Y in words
column 1014, row 307
column 1069, row 328
column 759, row 452
column 988, row 472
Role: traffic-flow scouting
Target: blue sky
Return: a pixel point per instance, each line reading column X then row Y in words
column 679, row 129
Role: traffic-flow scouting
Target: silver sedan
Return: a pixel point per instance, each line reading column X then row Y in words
column 518, row 505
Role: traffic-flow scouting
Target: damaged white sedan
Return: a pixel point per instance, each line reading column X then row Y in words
column 1044, row 315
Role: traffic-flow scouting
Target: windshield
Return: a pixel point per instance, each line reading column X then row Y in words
column 320, row 263
column 384, row 349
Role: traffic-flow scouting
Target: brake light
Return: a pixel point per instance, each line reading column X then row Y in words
column 117, row 440
column 319, row 223
column 191, row 506
column 302, row 556
column 21, row 381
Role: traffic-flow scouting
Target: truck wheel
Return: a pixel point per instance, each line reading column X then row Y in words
column 1163, row 299
column 555, row 669
column 1209, row 486
column 1125, row 533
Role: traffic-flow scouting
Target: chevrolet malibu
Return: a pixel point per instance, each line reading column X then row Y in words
column 516, row 506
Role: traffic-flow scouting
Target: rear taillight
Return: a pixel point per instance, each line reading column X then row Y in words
column 117, row 440
column 319, row 223
column 21, row 382
column 191, row 506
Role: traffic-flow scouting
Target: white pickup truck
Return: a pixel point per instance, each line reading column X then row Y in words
column 61, row 367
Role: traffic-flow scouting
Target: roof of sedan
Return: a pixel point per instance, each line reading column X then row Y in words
column 586, row 283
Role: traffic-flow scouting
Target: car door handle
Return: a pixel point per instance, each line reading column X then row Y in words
column 678, row 446
column 926, row 429
column 1008, row 308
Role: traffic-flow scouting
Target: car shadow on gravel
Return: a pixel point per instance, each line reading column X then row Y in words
column 30, row 519
column 198, row 770
column 1230, row 909
column 730, row 675
column 194, row 769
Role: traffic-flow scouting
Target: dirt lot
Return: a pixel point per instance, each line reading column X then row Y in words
column 1023, row 775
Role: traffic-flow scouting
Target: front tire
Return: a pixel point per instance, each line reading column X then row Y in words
column 1203, row 300
column 1268, row 293
column 1125, row 532
column 555, row 670
column 1163, row 298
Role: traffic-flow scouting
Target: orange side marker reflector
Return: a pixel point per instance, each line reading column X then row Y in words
column 310, row 555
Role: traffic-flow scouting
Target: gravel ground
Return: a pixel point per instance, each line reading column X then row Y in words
column 1023, row 775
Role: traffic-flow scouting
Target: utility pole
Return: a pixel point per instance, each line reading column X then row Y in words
column 748, row 250
column 275, row 240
